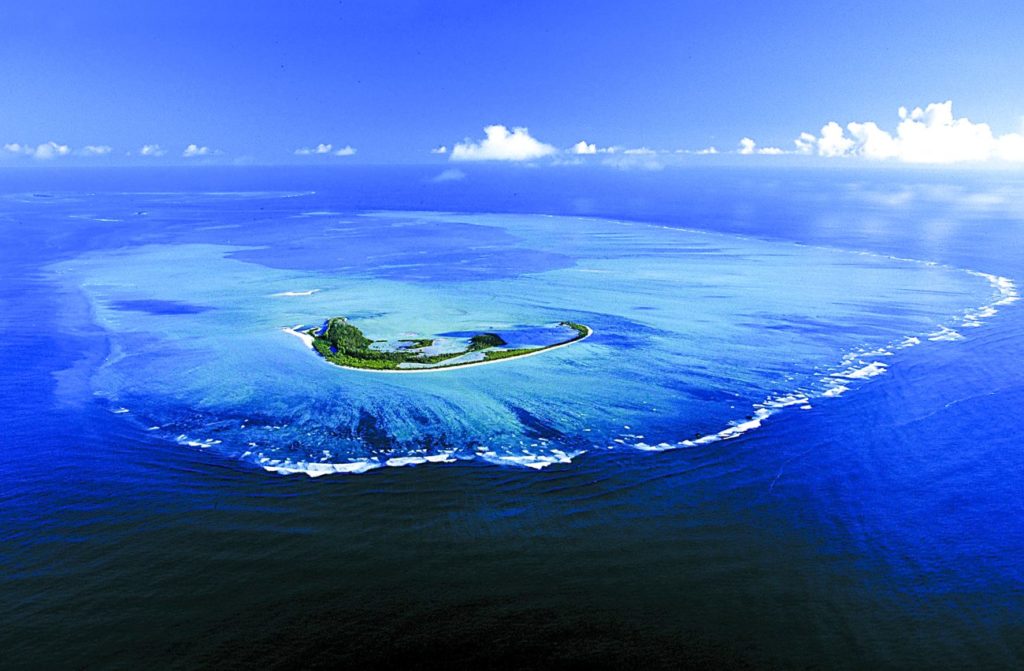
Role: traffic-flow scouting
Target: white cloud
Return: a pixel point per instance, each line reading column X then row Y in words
column 930, row 135
column 805, row 143
column 450, row 175
column 17, row 148
column 96, row 150
column 43, row 152
column 748, row 147
column 641, row 151
column 443, row 149
column 151, row 150
column 195, row 150
column 1010, row 147
column 582, row 147
column 875, row 142
column 502, row 145
column 832, row 141
column 347, row 150
column 319, row 149
column 50, row 150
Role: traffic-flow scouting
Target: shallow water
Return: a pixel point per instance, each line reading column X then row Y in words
column 143, row 352
column 696, row 335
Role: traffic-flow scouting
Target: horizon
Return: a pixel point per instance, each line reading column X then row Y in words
column 111, row 83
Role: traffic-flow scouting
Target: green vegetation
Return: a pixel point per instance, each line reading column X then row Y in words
column 484, row 340
column 581, row 330
column 342, row 343
column 508, row 353
column 419, row 343
column 344, row 336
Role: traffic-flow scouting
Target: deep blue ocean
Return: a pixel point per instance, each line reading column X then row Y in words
column 791, row 441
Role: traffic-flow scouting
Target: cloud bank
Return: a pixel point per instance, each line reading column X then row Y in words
column 924, row 136
column 502, row 145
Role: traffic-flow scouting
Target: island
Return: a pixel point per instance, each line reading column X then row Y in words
column 342, row 343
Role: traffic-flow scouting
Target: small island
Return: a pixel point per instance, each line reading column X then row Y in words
column 342, row 343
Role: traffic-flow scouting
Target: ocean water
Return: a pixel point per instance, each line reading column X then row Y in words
column 791, row 439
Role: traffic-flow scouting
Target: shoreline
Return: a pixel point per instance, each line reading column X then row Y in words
column 308, row 340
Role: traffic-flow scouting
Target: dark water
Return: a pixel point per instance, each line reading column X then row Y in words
column 883, row 529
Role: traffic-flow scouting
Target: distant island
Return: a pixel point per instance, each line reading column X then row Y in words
column 342, row 343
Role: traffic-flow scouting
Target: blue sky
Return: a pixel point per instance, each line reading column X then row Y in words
column 394, row 79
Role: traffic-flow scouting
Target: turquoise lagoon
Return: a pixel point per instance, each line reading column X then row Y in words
column 698, row 336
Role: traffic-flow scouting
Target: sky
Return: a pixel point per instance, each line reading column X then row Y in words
column 394, row 81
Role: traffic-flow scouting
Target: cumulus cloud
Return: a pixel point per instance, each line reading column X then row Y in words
column 805, row 143
column 43, row 152
column 151, row 150
column 582, row 147
column 875, row 142
column 931, row 135
column 502, row 145
column 443, row 149
column 347, row 150
column 195, row 150
column 50, row 150
column 748, row 147
column 832, row 141
column 640, row 151
column 96, row 150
